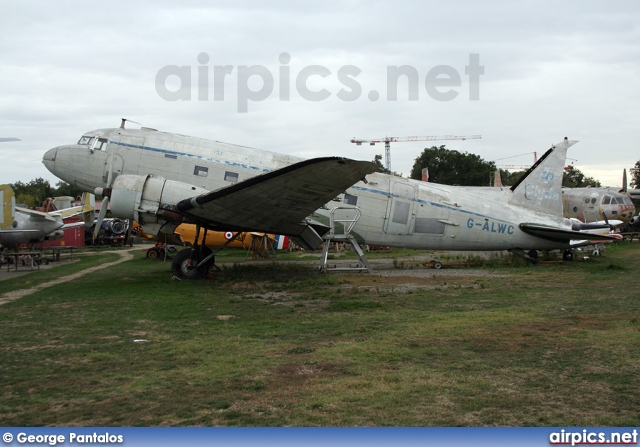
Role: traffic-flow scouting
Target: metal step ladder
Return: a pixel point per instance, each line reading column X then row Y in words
column 346, row 236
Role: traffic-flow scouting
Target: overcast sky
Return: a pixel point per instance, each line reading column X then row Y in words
column 304, row 78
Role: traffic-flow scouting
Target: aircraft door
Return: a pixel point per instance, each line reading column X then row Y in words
column 400, row 210
column 125, row 148
column 115, row 164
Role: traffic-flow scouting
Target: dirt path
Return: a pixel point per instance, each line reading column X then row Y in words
column 17, row 294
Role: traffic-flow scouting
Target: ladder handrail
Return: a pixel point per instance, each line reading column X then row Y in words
column 351, row 222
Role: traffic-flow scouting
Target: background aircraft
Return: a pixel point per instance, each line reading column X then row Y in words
column 163, row 180
column 20, row 225
column 594, row 204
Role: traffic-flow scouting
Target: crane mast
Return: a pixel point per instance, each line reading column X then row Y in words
column 388, row 140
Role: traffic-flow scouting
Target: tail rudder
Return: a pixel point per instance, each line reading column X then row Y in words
column 8, row 200
column 540, row 188
column 88, row 208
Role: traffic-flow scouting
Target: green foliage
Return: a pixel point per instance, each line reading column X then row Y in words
column 378, row 161
column 65, row 189
column 450, row 167
column 33, row 193
column 571, row 178
column 635, row 175
column 574, row 178
column 510, row 178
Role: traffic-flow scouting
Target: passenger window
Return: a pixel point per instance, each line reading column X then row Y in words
column 401, row 213
column 350, row 200
column 201, row 171
column 230, row 177
column 429, row 225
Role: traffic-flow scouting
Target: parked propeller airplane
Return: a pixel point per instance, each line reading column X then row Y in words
column 20, row 225
column 593, row 204
column 162, row 180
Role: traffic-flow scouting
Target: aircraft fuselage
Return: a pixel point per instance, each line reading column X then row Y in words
column 395, row 211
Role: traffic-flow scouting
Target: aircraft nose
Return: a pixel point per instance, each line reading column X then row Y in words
column 49, row 159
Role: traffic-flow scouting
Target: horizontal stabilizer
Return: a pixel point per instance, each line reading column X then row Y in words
column 556, row 234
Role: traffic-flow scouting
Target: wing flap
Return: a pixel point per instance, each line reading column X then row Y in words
column 279, row 201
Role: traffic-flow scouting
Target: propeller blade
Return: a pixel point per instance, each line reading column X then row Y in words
column 624, row 180
column 606, row 220
column 103, row 212
column 105, row 200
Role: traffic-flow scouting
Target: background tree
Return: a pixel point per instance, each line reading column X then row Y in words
column 510, row 178
column 33, row 193
column 574, row 178
column 65, row 189
column 634, row 172
column 571, row 178
column 378, row 161
column 450, row 167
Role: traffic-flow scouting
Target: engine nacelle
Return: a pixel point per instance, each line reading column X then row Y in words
column 149, row 198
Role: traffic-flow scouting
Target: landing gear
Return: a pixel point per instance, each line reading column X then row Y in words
column 567, row 255
column 155, row 253
column 192, row 264
column 532, row 256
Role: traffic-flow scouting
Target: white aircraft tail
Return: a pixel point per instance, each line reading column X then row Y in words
column 540, row 188
column 87, row 209
column 8, row 200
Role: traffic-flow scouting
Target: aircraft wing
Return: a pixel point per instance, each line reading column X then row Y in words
column 556, row 234
column 39, row 216
column 279, row 201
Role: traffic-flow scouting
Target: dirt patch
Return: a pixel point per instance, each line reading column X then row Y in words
column 17, row 294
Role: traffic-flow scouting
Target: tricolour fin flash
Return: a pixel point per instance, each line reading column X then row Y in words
column 540, row 188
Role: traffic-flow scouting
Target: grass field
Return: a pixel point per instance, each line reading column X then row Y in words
column 282, row 345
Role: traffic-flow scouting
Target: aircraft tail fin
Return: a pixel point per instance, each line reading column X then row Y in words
column 87, row 209
column 8, row 200
column 540, row 188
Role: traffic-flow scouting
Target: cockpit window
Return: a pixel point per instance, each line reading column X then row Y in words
column 606, row 200
column 96, row 144
column 627, row 200
column 99, row 144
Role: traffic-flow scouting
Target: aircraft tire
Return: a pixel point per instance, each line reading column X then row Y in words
column 153, row 253
column 183, row 267
column 567, row 255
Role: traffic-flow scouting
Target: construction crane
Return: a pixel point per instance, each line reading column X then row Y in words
column 388, row 140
